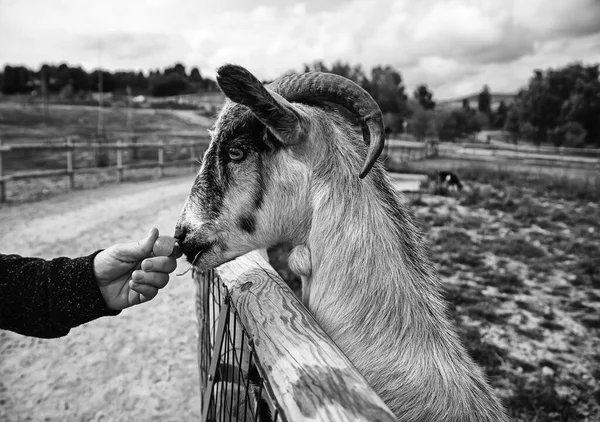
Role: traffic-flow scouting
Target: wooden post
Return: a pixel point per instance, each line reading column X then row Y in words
column 70, row 172
column 2, row 183
column 287, row 353
column 119, row 162
column 161, row 158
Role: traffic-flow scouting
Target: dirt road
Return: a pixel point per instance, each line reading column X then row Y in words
column 138, row 366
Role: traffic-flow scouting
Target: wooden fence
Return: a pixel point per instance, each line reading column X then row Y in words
column 263, row 356
column 70, row 170
column 394, row 152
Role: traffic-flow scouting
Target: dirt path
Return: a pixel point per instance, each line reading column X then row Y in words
column 140, row 365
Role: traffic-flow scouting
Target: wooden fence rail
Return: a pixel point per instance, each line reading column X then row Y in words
column 263, row 356
column 70, row 169
column 394, row 152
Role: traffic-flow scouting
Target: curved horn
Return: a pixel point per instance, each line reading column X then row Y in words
column 339, row 90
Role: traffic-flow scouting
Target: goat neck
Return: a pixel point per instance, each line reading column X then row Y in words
column 367, row 281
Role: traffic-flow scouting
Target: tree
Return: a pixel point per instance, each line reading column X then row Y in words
column 316, row 66
column 466, row 105
column 425, row 97
column 78, row 78
column 179, row 69
column 354, row 73
column 480, row 121
column 499, row 116
column 530, row 133
column 195, row 75
column 9, row 81
column 422, row 124
column 558, row 96
column 571, row 134
column 388, row 90
column 513, row 124
column 484, row 100
column 108, row 81
column 168, row 85
column 62, row 76
column 457, row 124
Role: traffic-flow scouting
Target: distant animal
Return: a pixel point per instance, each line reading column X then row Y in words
column 282, row 166
column 448, row 179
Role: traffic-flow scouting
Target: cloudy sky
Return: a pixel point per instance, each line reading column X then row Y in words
column 454, row 46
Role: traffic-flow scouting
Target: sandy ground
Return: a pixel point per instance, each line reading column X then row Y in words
column 138, row 366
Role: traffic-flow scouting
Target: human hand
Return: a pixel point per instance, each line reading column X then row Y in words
column 129, row 273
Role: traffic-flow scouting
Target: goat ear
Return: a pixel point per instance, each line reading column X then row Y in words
column 281, row 117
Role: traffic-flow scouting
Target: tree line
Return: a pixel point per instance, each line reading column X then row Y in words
column 558, row 106
column 69, row 81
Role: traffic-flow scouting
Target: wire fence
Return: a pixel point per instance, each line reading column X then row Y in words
column 232, row 384
column 263, row 357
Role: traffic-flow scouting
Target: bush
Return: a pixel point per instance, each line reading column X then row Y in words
column 457, row 124
column 169, row 85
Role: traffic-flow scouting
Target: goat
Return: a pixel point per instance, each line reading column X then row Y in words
column 446, row 179
column 281, row 167
column 449, row 179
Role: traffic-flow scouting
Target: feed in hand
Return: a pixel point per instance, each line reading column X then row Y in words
column 165, row 246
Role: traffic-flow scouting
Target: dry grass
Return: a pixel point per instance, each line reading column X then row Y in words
column 28, row 123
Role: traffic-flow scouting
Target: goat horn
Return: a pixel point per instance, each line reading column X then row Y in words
column 344, row 92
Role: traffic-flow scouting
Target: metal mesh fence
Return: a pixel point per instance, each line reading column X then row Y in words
column 232, row 384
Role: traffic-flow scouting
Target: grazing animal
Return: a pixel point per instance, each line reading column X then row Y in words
column 281, row 167
column 444, row 179
column 449, row 179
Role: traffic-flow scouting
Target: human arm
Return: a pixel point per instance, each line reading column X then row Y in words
column 46, row 298
column 130, row 273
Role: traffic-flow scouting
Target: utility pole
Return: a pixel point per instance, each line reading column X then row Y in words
column 102, row 159
column 44, row 89
column 129, row 111
column 100, row 122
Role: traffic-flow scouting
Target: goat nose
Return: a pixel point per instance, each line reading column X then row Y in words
column 180, row 233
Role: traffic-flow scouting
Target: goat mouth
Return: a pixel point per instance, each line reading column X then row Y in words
column 194, row 252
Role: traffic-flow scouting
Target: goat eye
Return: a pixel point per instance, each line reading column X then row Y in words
column 236, row 154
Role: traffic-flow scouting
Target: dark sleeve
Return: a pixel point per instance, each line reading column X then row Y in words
column 46, row 299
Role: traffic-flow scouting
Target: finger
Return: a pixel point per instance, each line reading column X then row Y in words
column 158, row 280
column 133, row 297
column 159, row 264
column 141, row 249
column 145, row 290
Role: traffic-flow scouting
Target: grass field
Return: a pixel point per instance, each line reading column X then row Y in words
column 29, row 123
column 520, row 261
column 566, row 180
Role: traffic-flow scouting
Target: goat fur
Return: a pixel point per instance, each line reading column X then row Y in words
column 365, row 274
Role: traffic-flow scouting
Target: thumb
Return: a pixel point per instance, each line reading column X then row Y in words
column 142, row 248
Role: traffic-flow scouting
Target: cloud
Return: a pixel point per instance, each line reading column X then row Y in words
column 455, row 46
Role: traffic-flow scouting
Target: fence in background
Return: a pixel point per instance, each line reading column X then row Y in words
column 395, row 152
column 262, row 356
column 399, row 151
column 195, row 149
